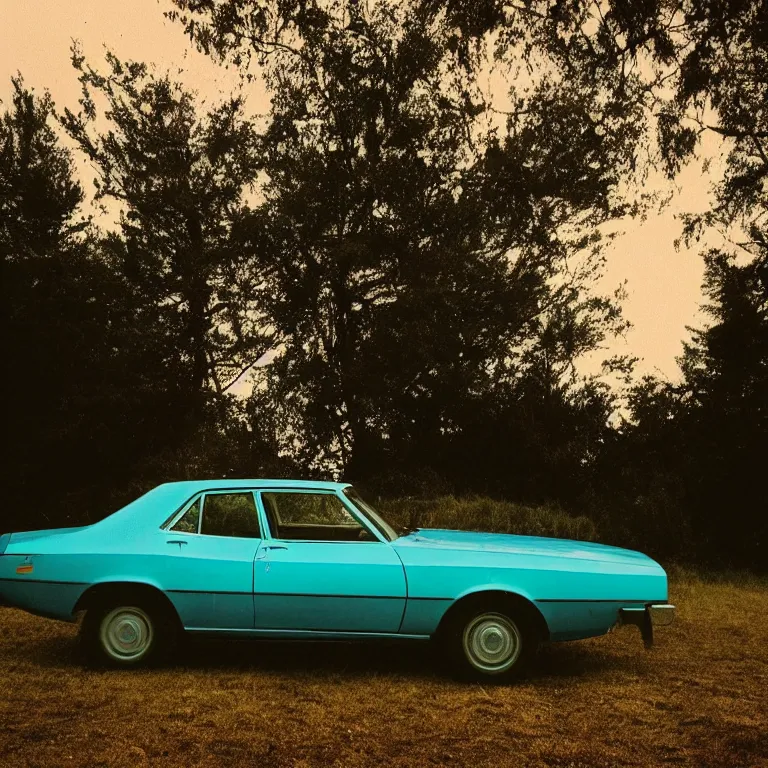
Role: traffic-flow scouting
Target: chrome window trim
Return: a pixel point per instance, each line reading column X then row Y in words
column 350, row 502
column 200, row 495
column 229, row 492
column 354, row 513
column 179, row 513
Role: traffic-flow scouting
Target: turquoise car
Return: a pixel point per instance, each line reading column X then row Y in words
column 302, row 560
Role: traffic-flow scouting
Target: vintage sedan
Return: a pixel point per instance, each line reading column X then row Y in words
column 301, row 560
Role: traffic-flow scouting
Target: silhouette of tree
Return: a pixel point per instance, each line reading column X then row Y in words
column 39, row 195
column 419, row 262
column 76, row 395
column 710, row 65
column 726, row 373
column 180, row 181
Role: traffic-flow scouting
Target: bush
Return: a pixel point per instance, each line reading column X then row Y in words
column 476, row 513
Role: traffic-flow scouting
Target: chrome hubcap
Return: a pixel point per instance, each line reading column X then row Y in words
column 492, row 642
column 126, row 633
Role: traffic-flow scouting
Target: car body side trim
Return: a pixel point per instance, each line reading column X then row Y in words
column 303, row 594
column 316, row 634
column 617, row 600
column 204, row 592
column 47, row 581
column 225, row 592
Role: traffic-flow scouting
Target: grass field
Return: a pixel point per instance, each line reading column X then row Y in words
column 699, row 698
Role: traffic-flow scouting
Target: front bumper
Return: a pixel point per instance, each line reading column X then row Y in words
column 646, row 617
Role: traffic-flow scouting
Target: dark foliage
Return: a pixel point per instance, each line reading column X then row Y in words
column 81, row 395
column 421, row 266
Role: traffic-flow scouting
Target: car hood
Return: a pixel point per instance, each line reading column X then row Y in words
column 523, row 545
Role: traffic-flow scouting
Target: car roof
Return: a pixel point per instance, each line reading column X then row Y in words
column 192, row 486
column 156, row 505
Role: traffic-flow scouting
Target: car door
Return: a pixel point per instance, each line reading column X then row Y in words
column 321, row 568
column 209, row 549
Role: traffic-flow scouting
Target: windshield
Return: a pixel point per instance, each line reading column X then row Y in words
column 381, row 524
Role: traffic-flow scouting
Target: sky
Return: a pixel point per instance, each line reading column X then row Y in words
column 662, row 282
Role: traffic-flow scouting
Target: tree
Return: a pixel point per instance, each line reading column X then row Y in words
column 692, row 451
column 180, row 181
column 726, row 382
column 712, row 60
column 39, row 199
column 39, row 196
column 684, row 474
column 417, row 256
column 77, row 403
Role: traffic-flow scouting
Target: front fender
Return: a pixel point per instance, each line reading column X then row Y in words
column 423, row 615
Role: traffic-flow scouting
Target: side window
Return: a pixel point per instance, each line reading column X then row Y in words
column 190, row 520
column 230, row 514
column 311, row 516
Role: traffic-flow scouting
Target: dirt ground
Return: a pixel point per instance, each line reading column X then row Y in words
column 699, row 698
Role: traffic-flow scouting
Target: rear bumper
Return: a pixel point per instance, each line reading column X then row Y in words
column 647, row 617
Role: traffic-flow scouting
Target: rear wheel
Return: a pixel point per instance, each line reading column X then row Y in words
column 125, row 634
column 491, row 641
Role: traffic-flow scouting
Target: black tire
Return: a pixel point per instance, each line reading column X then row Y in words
column 489, row 640
column 126, row 632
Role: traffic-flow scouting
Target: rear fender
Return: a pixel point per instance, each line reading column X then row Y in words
column 126, row 590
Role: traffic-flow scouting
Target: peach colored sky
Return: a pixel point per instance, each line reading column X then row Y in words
column 35, row 37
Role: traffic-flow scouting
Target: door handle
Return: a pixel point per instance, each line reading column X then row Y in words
column 177, row 541
column 262, row 552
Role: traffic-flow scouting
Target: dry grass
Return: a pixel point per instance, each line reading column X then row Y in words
column 697, row 699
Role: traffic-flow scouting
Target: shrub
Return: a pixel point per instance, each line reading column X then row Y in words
column 476, row 513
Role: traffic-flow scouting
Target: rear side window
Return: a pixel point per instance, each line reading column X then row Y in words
column 230, row 514
column 189, row 522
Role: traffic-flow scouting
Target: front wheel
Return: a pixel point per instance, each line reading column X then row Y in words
column 489, row 643
column 124, row 635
